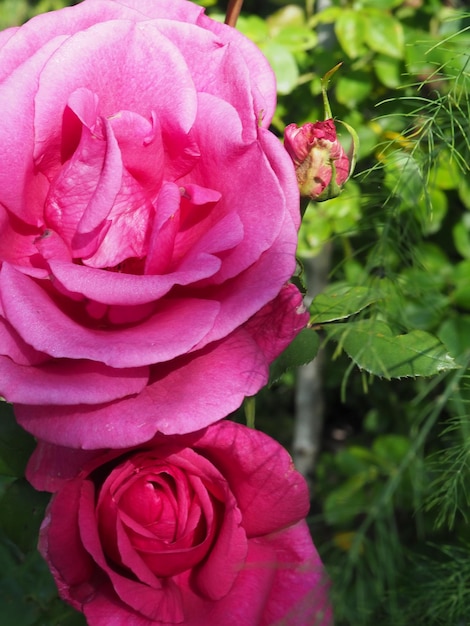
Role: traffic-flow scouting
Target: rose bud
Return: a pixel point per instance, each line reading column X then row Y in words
column 321, row 164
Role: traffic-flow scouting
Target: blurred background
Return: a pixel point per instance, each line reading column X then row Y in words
column 385, row 448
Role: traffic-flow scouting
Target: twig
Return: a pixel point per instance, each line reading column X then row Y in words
column 233, row 11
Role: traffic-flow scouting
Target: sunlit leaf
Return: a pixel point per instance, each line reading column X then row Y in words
column 341, row 302
column 353, row 88
column 374, row 347
column 351, row 31
column 384, row 34
column 388, row 70
column 284, row 65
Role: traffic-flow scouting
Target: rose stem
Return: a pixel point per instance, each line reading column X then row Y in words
column 233, row 11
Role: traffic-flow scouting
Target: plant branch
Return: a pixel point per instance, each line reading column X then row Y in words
column 233, row 11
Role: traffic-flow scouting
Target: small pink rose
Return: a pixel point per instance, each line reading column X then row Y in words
column 194, row 530
column 147, row 222
column 321, row 164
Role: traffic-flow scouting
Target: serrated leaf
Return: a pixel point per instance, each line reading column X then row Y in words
column 302, row 350
column 374, row 347
column 341, row 303
column 455, row 334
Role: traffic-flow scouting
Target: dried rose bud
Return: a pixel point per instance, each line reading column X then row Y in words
column 321, row 164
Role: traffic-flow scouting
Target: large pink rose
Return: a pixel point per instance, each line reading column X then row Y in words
column 200, row 529
column 148, row 222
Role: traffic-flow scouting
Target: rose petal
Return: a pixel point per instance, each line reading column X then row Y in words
column 115, row 43
column 161, row 601
column 50, row 466
column 218, row 134
column 41, row 323
column 271, row 494
column 128, row 289
column 227, row 62
column 179, row 400
column 281, row 583
column 299, row 592
column 18, row 138
column 263, row 83
column 217, row 574
column 71, row 564
column 69, row 382
column 197, row 391
column 13, row 346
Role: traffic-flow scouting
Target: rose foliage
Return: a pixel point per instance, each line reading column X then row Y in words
column 204, row 528
column 148, row 222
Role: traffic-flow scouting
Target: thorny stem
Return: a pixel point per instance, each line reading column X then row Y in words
column 233, row 11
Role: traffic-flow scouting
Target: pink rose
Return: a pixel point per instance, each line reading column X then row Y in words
column 148, row 222
column 199, row 529
column 321, row 164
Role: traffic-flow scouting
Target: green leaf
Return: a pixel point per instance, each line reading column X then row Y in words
column 464, row 191
column 28, row 594
column 302, row 350
column 296, row 38
column 388, row 71
column 383, row 5
column 446, row 173
column 384, row 34
column 253, row 27
column 315, row 230
column 13, row 13
column 354, row 460
column 455, row 334
column 351, row 31
column 403, row 177
column 353, row 88
column 432, row 209
column 16, row 445
column 18, row 575
column 390, row 449
column 461, row 235
column 21, row 513
column 340, row 302
column 353, row 153
column 284, row 65
column 374, row 347
column 350, row 499
column 288, row 15
column 327, row 16
column 460, row 297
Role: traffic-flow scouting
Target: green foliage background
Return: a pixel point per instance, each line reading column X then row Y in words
column 390, row 513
